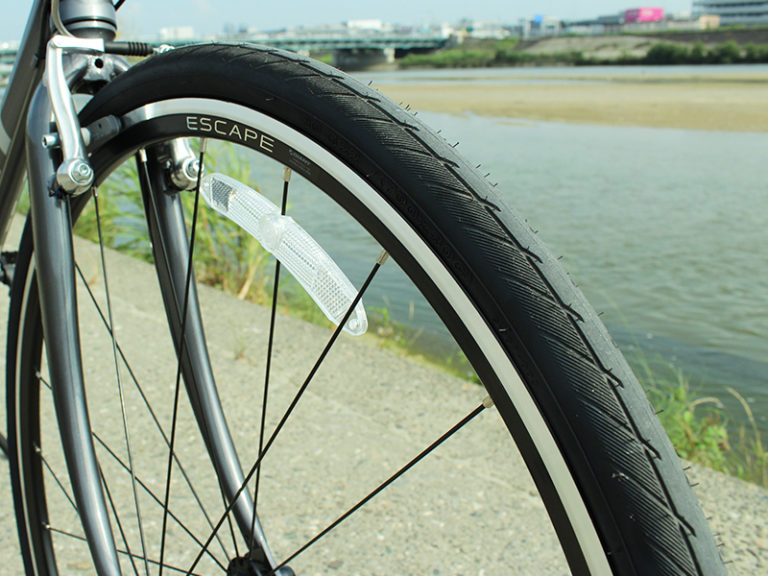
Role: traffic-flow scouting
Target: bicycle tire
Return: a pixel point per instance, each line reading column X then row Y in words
column 608, row 475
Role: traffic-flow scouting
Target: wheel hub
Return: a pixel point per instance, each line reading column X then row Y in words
column 245, row 566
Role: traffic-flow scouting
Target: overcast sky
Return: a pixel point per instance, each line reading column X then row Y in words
column 144, row 18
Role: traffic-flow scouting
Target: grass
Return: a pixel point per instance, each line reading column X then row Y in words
column 488, row 54
column 699, row 426
column 440, row 353
column 753, row 463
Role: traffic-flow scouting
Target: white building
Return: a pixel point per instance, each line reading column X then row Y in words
column 366, row 24
column 734, row 11
column 178, row 34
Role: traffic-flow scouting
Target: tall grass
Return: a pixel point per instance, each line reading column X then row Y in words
column 694, row 424
column 752, row 463
column 700, row 427
column 226, row 257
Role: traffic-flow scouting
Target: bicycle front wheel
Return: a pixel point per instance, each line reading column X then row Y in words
column 302, row 422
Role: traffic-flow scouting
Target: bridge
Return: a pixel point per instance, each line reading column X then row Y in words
column 353, row 51
column 349, row 51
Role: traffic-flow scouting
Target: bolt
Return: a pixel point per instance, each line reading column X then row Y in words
column 193, row 169
column 75, row 176
column 51, row 141
column 81, row 172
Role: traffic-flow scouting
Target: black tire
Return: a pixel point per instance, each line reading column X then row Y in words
column 610, row 479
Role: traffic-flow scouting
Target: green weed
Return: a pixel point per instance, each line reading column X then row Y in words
column 751, row 458
column 699, row 426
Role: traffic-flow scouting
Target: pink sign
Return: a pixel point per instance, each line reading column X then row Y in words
column 644, row 15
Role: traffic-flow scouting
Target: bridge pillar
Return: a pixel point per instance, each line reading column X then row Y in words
column 363, row 59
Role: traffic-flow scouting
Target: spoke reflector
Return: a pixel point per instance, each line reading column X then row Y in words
column 296, row 250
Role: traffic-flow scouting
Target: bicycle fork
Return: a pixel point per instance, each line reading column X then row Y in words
column 52, row 181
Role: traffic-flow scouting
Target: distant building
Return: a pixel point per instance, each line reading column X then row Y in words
column 642, row 19
column 640, row 15
column 607, row 24
column 687, row 22
column 481, row 29
column 366, row 24
column 541, row 26
column 733, row 11
column 177, row 34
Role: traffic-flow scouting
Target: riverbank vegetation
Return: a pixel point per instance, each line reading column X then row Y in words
column 700, row 427
column 666, row 53
column 508, row 52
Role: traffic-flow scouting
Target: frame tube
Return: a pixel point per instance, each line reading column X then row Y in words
column 26, row 75
column 54, row 262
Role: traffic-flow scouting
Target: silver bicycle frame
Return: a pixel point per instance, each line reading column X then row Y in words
column 36, row 149
column 27, row 73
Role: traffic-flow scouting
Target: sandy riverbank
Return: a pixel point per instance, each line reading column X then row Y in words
column 712, row 102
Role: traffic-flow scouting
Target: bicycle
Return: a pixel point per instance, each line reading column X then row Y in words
column 610, row 480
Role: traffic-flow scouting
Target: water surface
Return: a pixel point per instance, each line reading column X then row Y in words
column 665, row 230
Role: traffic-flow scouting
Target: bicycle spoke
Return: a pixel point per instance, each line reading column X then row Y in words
column 123, row 412
column 117, row 520
column 231, row 524
column 44, row 460
column 148, row 406
column 121, row 552
column 487, row 403
column 270, row 343
column 56, row 479
column 140, row 482
column 157, row 499
column 336, row 333
column 53, row 474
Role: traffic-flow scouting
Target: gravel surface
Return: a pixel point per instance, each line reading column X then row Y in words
column 367, row 432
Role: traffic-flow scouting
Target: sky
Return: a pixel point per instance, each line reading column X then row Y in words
column 142, row 19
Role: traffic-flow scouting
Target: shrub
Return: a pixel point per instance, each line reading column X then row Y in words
column 728, row 53
column 667, row 53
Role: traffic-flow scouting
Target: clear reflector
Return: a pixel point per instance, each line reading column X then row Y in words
column 296, row 250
